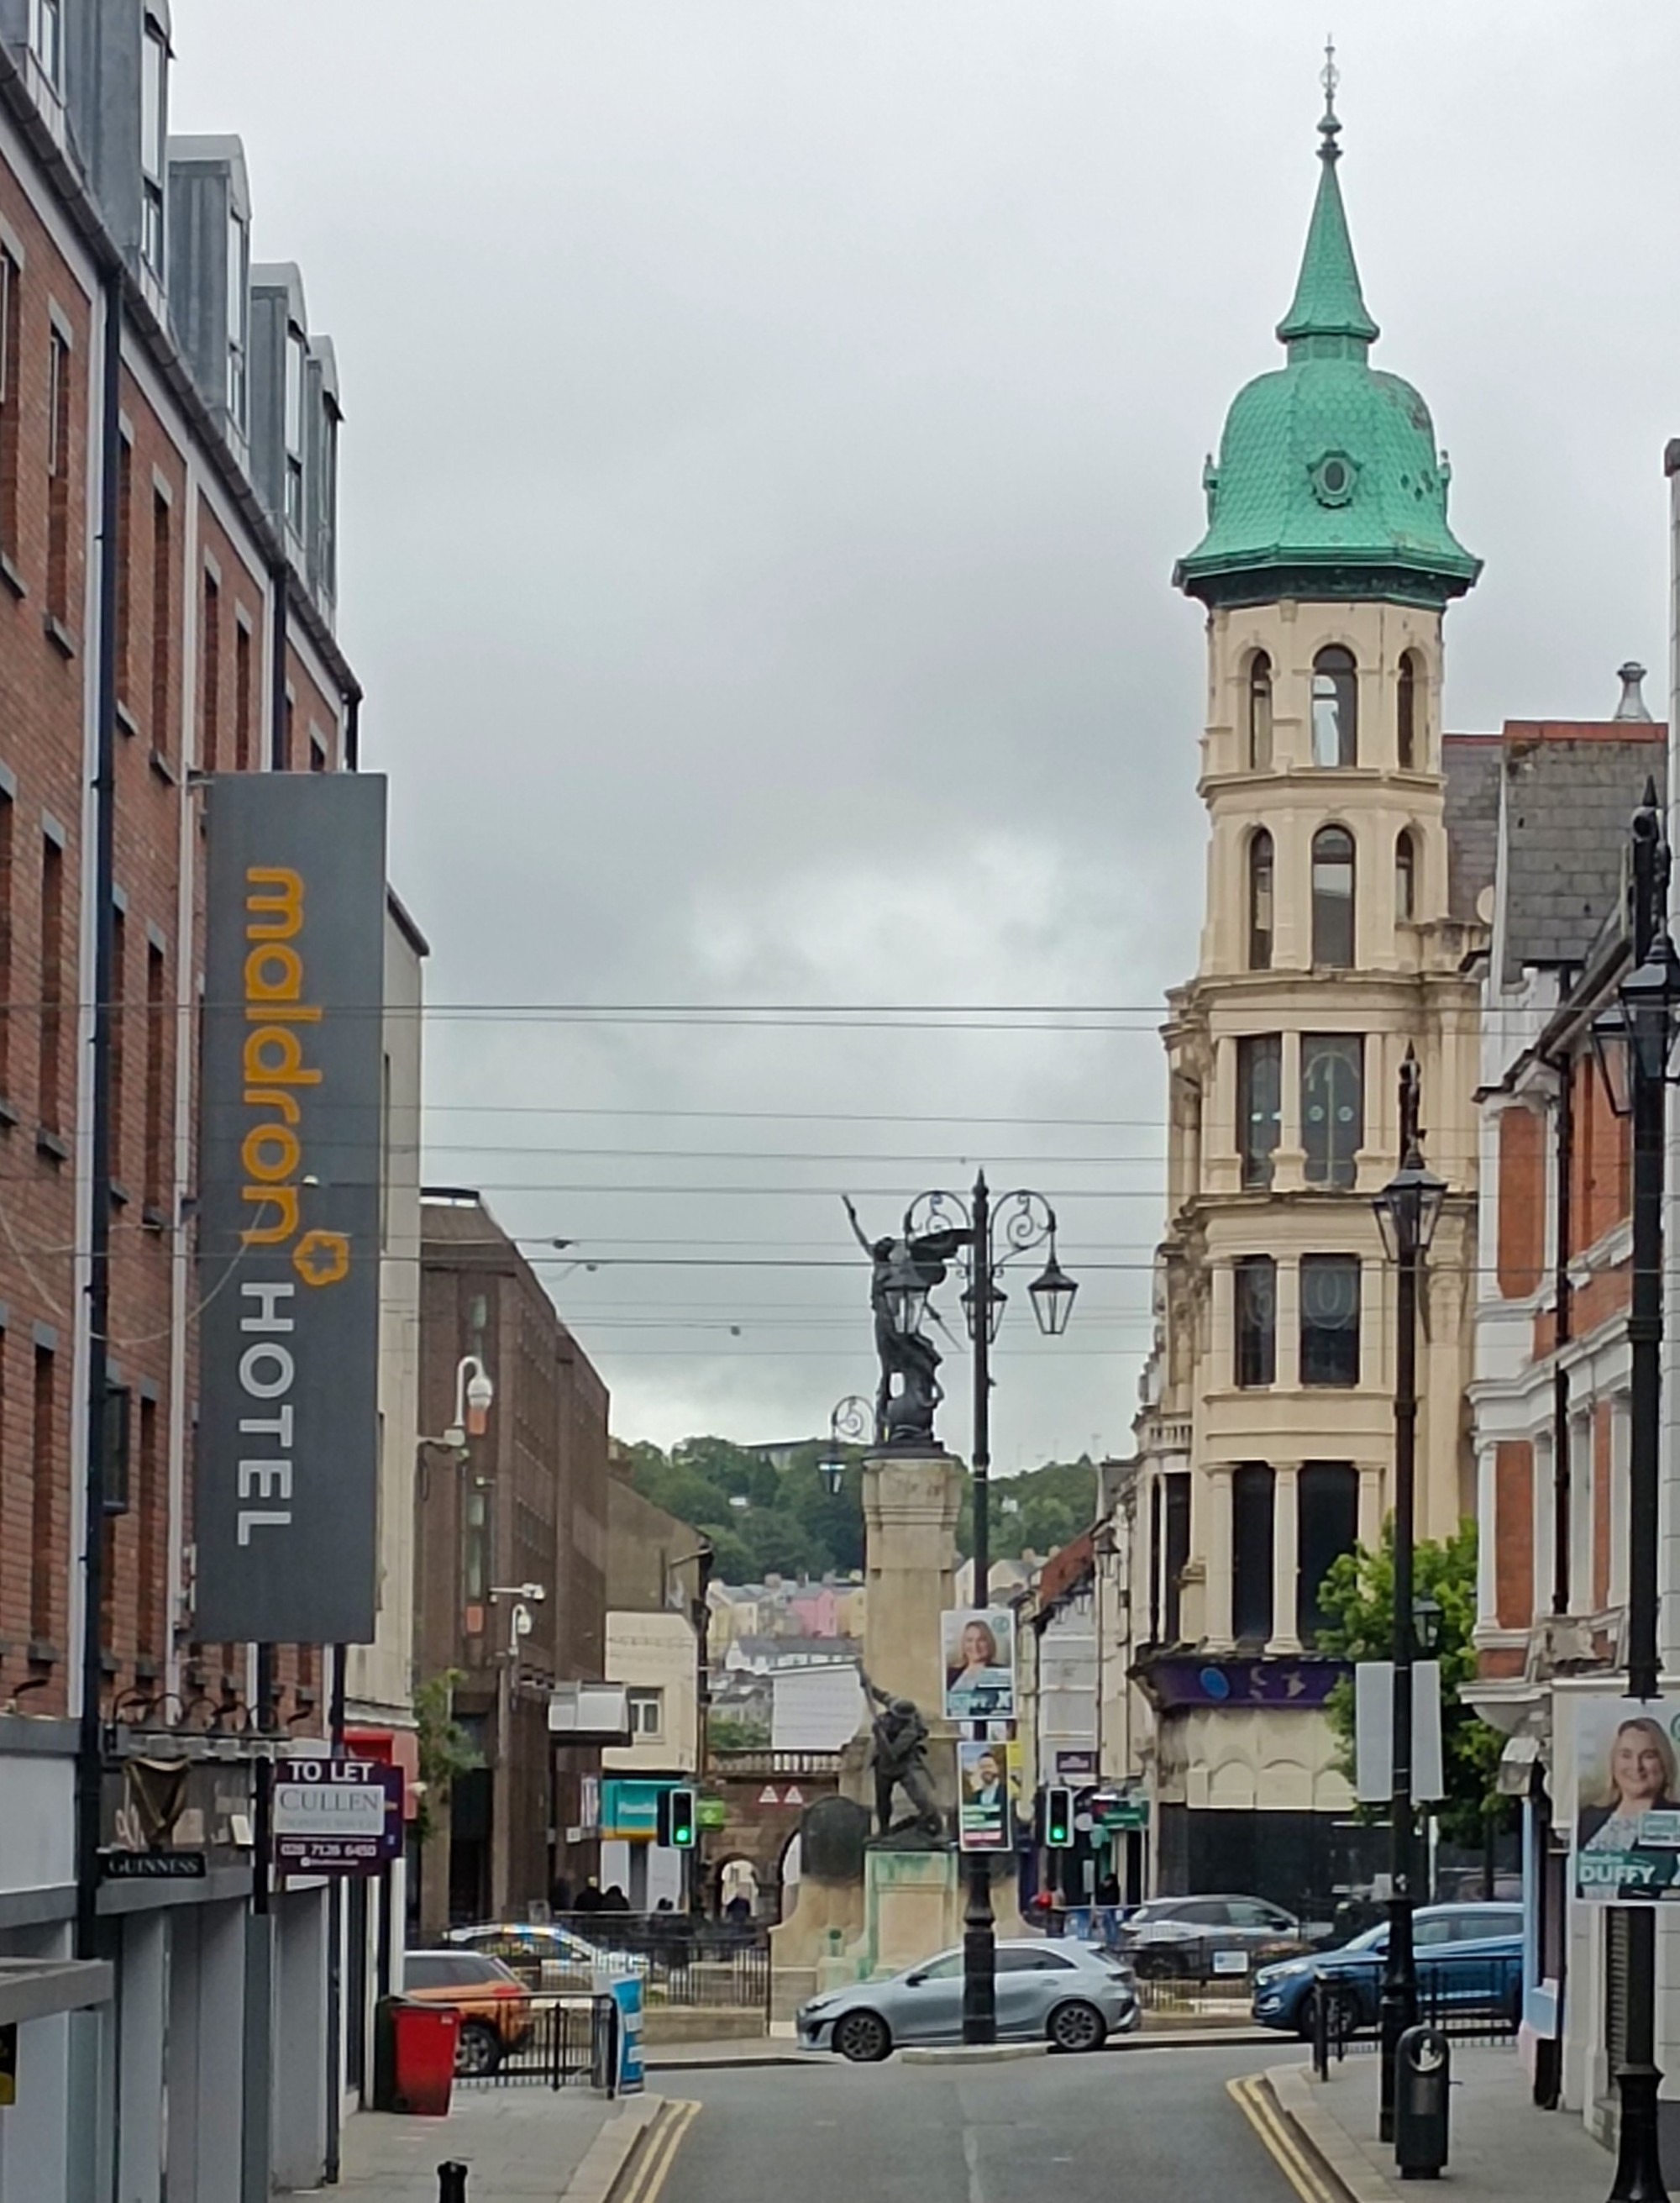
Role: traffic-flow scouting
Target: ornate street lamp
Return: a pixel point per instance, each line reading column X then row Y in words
column 990, row 1233
column 1408, row 1209
column 851, row 1421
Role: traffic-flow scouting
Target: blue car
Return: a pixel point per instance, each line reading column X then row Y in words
column 1470, row 1960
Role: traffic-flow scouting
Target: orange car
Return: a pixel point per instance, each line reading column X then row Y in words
column 495, row 2006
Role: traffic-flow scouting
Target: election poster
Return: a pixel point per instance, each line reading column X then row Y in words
column 1627, row 1800
column 979, row 1649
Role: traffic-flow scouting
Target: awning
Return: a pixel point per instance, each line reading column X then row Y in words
column 38, row 1988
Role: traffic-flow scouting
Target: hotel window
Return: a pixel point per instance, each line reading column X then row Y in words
column 44, row 1473
column 119, row 1053
column 154, row 63
column 1335, row 708
column 1329, row 1319
column 1259, row 1094
column 294, row 429
column 124, row 559
column 11, row 317
column 1332, row 1106
column 50, row 1067
column 46, row 39
column 647, row 1715
column 150, row 1557
column 1256, row 1310
column 239, row 317
column 58, row 476
column 1327, row 1499
column 1174, row 1556
column 245, row 695
column 209, row 735
column 1405, row 713
column 1261, row 869
column 1333, row 898
column 8, row 821
column 1258, row 758
column 1405, row 877
column 163, row 601
column 157, row 1016
column 1252, row 1538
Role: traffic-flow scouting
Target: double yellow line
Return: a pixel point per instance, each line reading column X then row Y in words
column 1259, row 2107
column 664, row 2138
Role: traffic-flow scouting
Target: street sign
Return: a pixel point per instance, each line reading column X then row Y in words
column 336, row 1815
column 714, row 1813
column 792, row 1795
column 768, row 1795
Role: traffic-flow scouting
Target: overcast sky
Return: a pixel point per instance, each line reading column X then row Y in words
column 771, row 427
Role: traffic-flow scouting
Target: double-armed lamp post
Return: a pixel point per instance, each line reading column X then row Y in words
column 1634, row 1041
column 991, row 1233
column 1408, row 1208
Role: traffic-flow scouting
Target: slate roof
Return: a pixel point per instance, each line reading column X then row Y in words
column 1471, row 766
column 1569, row 788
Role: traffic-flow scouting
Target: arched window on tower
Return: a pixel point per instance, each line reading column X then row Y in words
column 1259, row 713
column 1335, row 707
column 1405, row 713
column 1406, row 875
column 1260, row 870
column 1333, row 897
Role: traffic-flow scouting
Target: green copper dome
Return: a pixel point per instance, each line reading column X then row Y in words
column 1328, row 483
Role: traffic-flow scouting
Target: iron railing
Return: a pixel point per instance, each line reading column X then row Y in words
column 571, row 2041
column 681, row 1961
column 1471, row 1997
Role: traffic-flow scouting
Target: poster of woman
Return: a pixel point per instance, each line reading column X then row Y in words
column 979, row 1648
column 1627, row 1820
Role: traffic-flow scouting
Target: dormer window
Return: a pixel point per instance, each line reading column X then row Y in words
column 154, row 66
column 46, row 39
column 294, row 428
column 238, row 317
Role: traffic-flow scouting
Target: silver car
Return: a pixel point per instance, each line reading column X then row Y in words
column 1072, row 1994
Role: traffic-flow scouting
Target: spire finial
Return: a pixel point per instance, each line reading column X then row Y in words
column 1329, row 76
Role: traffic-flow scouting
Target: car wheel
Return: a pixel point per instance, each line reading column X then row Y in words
column 477, row 2051
column 1077, row 2026
column 862, row 2037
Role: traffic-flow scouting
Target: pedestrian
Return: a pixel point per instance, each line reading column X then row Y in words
column 615, row 1900
column 1108, row 1910
column 560, row 1896
column 589, row 1898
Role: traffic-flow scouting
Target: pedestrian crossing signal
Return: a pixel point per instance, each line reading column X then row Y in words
column 1059, row 1817
column 677, row 1819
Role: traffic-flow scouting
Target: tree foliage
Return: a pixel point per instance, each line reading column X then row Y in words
column 1358, row 1592
column 1036, row 1512
column 445, row 1749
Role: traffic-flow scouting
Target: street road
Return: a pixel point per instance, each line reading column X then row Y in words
column 1149, row 2126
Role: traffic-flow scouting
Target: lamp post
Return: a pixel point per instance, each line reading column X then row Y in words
column 521, row 1622
column 1408, row 1209
column 850, row 1422
column 1633, row 1043
column 991, row 1234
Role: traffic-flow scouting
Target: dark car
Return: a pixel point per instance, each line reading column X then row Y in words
column 1206, row 1935
column 1470, row 1960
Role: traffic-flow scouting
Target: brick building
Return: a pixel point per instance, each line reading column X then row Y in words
column 524, row 1503
column 168, row 426
column 1549, row 1401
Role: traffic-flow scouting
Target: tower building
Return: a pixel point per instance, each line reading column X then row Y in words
column 1333, row 941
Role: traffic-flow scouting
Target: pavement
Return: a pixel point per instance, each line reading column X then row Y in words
column 1500, row 2144
column 521, row 2145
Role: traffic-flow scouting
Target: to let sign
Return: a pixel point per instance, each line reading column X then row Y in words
column 336, row 1815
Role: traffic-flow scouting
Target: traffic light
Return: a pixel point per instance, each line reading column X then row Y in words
column 1059, row 1817
column 676, row 1819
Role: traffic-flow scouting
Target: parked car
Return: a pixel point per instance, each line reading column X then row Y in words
column 546, row 1957
column 1072, row 1995
column 494, row 2004
column 1469, row 1960
column 1190, row 1934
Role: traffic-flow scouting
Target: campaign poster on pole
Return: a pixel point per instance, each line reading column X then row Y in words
column 978, row 1643
column 1627, row 1800
column 986, row 1807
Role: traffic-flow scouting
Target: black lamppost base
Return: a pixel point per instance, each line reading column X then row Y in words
column 979, row 1955
column 1639, row 2172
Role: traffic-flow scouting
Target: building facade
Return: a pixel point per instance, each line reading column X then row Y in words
column 1335, row 931
column 523, row 1504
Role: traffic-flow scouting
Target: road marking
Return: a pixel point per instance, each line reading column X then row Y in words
column 971, row 2152
column 1252, row 2098
column 656, row 2169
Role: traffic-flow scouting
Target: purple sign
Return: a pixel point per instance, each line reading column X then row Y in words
column 336, row 1815
column 1185, row 1681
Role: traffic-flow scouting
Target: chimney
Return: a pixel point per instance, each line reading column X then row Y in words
column 1632, row 703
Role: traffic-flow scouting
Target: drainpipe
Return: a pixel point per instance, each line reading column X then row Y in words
column 1564, row 1291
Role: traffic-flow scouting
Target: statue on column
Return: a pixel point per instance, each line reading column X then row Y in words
column 900, row 1737
column 910, row 1389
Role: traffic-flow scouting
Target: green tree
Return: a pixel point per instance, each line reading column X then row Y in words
column 1359, row 1593
column 445, row 1749
column 1038, row 1511
column 738, row 1732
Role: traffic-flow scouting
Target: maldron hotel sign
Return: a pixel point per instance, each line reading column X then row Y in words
column 289, row 1209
